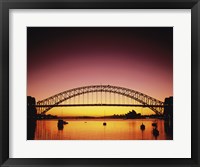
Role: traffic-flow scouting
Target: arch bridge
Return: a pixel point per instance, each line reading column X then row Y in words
column 144, row 100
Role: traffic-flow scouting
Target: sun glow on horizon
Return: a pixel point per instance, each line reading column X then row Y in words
column 97, row 111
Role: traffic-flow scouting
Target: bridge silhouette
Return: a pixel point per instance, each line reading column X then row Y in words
column 106, row 93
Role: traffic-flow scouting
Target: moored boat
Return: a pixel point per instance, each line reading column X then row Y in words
column 142, row 127
column 154, row 124
column 155, row 132
column 61, row 122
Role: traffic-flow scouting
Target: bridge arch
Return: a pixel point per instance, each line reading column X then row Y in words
column 138, row 96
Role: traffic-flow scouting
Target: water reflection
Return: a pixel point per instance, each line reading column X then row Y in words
column 93, row 129
column 168, row 126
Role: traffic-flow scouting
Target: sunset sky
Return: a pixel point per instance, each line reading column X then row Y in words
column 63, row 58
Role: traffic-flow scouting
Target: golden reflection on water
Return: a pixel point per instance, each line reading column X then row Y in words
column 93, row 129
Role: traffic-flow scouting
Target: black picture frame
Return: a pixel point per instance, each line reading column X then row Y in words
column 5, row 5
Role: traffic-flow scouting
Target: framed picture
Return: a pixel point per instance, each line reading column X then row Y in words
column 99, row 83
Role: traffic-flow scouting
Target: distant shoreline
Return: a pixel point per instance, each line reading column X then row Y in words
column 107, row 117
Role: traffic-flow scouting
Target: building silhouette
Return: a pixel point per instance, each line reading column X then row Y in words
column 168, row 115
column 31, row 109
column 31, row 117
column 168, row 109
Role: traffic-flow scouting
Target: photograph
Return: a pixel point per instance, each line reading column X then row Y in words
column 99, row 83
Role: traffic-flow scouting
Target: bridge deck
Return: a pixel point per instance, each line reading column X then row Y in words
column 84, row 105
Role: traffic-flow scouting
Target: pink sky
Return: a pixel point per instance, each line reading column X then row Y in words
column 64, row 58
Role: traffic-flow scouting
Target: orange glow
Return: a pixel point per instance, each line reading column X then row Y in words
column 96, row 111
column 94, row 130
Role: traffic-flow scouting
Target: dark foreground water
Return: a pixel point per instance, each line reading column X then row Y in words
column 93, row 129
